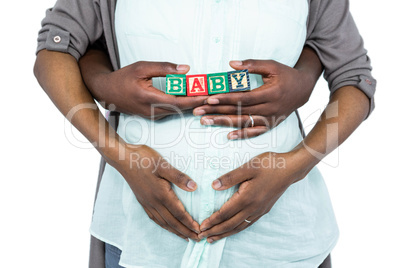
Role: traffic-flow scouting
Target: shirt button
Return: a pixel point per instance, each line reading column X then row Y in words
column 213, row 165
column 57, row 39
column 368, row 81
column 217, row 39
column 207, row 208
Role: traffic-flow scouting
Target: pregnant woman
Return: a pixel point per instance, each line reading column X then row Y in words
column 260, row 202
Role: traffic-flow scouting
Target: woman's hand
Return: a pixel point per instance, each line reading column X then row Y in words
column 265, row 177
column 59, row 75
column 262, row 181
column 150, row 177
column 285, row 89
column 129, row 90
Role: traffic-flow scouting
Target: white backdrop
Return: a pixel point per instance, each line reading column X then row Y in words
column 47, row 185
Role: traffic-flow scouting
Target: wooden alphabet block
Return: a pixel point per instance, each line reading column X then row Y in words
column 176, row 84
column 239, row 80
column 197, row 85
column 218, row 83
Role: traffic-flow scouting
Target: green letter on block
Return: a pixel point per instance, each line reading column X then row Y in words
column 218, row 83
column 176, row 84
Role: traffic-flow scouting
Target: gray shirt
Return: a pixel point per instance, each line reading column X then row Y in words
column 72, row 26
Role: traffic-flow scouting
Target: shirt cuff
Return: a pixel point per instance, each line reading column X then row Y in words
column 365, row 84
column 56, row 40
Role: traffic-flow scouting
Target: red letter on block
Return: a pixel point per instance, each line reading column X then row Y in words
column 197, row 85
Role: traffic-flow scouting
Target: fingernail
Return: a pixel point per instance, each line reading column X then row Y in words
column 213, row 101
column 217, row 184
column 182, row 67
column 201, row 237
column 233, row 137
column 203, row 229
column 187, row 240
column 192, row 185
column 236, row 62
column 207, row 121
column 210, row 240
column 199, row 112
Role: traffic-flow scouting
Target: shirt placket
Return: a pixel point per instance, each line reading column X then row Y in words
column 217, row 25
column 214, row 64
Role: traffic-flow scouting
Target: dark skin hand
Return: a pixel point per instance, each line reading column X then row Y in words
column 261, row 184
column 59, row 75
column 285, row 89
column 130, row 91
column 152, row 186
column 266, row 177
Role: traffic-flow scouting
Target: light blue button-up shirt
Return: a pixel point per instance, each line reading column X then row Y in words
column 300, row 230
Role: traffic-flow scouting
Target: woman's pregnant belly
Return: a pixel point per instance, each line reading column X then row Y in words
column 203, row 152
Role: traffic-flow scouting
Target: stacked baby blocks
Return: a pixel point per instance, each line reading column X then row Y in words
column 207, row 84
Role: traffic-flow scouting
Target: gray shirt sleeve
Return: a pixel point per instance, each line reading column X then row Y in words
column 70, row 27
column 333, row 34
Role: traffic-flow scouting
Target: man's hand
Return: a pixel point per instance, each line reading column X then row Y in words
column 129, row 90
column 151, row 185
column 285, row 89
column 262, row 181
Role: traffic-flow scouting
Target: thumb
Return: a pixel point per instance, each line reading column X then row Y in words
column 178, row 178
column 231, row 178
column 149, row 69
column 262, row 67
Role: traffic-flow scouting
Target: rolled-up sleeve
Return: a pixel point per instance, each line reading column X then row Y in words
column 335, row 38
column 70, row 27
